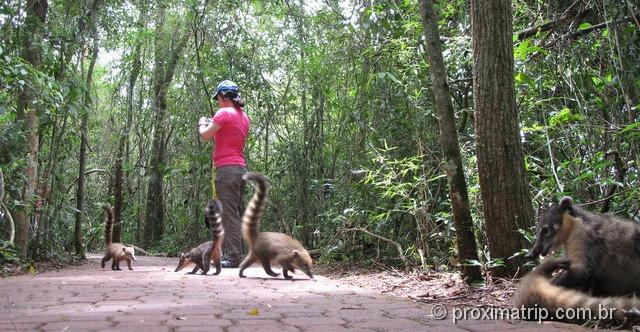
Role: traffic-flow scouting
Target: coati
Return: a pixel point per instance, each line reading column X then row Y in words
column 535, row 291
column 604, row 250
column 268, row 247
column 210, row 251
column 115, row 251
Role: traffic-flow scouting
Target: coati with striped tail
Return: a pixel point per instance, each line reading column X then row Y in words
column 210, row 251
column 535, row 291
column 268, row 247
column 604, row 250
column 115, row 251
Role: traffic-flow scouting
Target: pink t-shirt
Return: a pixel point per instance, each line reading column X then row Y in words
column 231, row 137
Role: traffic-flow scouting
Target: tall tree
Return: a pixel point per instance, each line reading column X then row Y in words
column 503, row 184
column 119, row 178
column 84, row 135
column 27, row 114
column 449, row 141
column 164, row 68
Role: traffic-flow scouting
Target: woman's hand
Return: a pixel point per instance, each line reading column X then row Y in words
column 207, row 128
column 203, row 121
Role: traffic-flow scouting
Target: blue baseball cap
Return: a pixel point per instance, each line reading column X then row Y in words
column 225, row 85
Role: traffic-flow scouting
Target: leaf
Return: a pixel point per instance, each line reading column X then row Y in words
column 630, row 127
column 253, row 312
column 563, row 117
column 584, row 26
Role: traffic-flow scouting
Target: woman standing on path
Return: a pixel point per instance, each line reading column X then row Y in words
column 229, row 129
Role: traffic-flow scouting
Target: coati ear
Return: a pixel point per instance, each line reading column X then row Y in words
column 296, row 253
column 566, row 202
column 124, row 249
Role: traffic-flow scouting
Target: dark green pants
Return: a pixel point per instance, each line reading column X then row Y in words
column 230, row 191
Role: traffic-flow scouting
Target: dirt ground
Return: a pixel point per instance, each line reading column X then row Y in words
column 425, row 286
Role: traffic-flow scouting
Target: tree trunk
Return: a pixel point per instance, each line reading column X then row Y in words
column 163, row 75
column 119, row 177
column 466, row 243
column 32, row 34
column 84, row 144
column 503, row 184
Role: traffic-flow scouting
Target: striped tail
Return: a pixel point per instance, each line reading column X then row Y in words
column 108, row 227
column 213, row 215
column 253, row 213
column 536, row 291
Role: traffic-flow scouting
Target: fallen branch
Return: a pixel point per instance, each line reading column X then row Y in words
column 396, row 244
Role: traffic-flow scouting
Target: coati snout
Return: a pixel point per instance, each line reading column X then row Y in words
column 184, row 261
column 549, row 228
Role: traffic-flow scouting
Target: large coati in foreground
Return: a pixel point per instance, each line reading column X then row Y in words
column 604, row 250
column 210, row 251
column 115, row 251
column 535, row 291
column 268, row 247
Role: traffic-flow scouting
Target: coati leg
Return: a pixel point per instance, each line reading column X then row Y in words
column 285, row 268
column 105, row 259
column 251, row 258
column 206, row 261
column 129, row 264
column 218, row 267
column 266, row 265
column 195, row 269
column 576, row 277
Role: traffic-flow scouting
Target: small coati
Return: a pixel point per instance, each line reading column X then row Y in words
column 268, row 247
column 115, row 251
column 210, row 251
column 604, row 250
column 535, row 291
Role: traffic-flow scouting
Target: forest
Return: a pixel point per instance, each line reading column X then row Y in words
column 413, row 134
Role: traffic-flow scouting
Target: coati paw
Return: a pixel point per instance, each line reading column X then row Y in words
column 563, row 263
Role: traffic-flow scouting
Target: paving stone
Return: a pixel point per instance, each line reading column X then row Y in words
column 260, row 325
column 76, row 326
column 154, row 298
column 127, row 327
column 313, row 321
column 201, row 320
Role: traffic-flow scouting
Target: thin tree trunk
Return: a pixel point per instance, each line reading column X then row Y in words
column 27, row 114
column 466, row 243
column 163, row 75
column 503, row 184
column 119, row 178
column 84, row 144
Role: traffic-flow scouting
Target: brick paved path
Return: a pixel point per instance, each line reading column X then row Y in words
column 154, row 298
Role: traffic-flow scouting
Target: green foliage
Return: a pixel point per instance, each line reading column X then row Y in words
column 341, row 113
column 9, row 254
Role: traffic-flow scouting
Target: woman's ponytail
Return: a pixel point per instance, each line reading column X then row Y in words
column 234, row 96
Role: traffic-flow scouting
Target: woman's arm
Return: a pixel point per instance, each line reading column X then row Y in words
column 207, row 128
